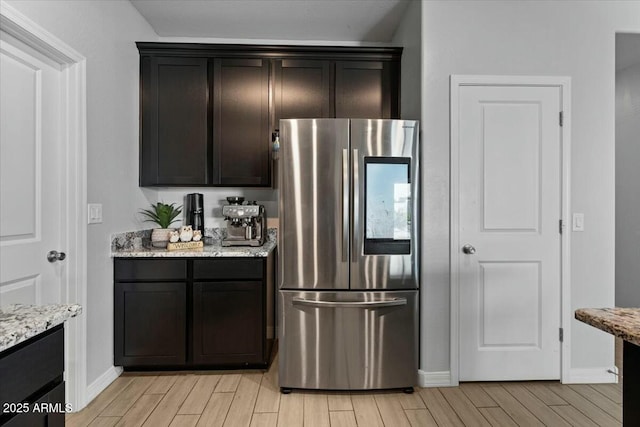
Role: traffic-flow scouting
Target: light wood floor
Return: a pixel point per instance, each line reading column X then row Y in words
column 252, row 399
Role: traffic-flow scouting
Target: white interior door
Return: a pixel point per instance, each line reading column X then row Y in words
column 509, row 210
column 31, row 190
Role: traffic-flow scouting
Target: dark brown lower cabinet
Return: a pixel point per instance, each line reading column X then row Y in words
column 191, row 313
column 37, row 418
column 150, row 321
column 32, row 390
column 228, row 321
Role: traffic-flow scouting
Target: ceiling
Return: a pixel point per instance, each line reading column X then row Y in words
column 627, row 50
column 291, row 20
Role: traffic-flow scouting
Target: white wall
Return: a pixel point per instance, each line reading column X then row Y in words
column 573, row 39
column 104, row 32
column 215, row 198
column 628, row 185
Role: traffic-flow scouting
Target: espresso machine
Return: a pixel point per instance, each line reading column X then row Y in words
column 247, row 224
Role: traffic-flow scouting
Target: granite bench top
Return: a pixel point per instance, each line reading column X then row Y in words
column 213, row 250
column 19, row 322
column 122, row 247
column 622, row 322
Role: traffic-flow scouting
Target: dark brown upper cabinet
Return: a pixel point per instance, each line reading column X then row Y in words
column 303, row 89
column 208, row 111
column 242, row 138
column 366, row 89
column 176, row 142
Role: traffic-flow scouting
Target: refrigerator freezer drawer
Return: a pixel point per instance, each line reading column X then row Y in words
column 348, row 340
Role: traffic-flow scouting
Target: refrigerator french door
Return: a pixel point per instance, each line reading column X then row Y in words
column 348, row 253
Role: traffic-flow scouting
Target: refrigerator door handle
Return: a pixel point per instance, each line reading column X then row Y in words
column 355, row 223
column 350, row 304
column 345, row 205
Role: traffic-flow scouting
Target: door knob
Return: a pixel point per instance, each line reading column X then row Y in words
column 54, row 256
column 468, row 249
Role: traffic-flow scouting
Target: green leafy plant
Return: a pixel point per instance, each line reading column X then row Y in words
column 162, row 214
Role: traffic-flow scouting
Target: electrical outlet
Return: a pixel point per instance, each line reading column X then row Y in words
column 94, row 213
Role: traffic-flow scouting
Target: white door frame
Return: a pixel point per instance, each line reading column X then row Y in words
column 564, row 83
column 74, row 223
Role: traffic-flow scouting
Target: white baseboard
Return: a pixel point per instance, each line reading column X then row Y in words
column 102, row 382
column 592, row 376
column 434, row 379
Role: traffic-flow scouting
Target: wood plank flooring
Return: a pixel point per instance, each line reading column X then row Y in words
column 252, row 399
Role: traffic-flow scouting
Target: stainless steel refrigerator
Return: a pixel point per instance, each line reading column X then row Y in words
column 349, row 256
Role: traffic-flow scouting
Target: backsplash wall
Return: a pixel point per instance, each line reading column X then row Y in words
column 215, row 198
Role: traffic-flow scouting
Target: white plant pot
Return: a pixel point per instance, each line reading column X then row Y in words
column 160, row 237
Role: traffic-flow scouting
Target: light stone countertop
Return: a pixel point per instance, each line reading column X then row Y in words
column 122, row 247
column 19, row 322
column 214, row 250
column 622, row 322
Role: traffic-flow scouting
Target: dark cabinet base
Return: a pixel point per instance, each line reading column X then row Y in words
column 191, row 366
column 151, row 320
column 228, row 323
column 631, row 384
column 32, row 390
column 199, row 314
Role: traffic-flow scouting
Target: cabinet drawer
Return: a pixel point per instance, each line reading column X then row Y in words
column 34, row 418
column 28, row 369
column 150, row 269
column 227, row 269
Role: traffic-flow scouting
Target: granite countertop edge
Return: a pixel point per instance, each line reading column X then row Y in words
column 209, row 251
column 19, row 322
column 621, row 322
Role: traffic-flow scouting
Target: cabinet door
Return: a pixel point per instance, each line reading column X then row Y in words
column 228, row 323
column 364, row 90
column 302, row 89
column 150, row 324
column 175, row 125
column 242, row 139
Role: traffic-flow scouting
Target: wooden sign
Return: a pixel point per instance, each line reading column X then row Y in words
column 178, row 246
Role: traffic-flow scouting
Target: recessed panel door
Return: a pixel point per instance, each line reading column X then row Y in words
column 31, row 193
column 228, row 322
column 176, row 143
column 302, row 89
column 241, row 135
column 510, row 207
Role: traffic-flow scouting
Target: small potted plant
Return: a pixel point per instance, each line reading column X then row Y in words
column 164, row 215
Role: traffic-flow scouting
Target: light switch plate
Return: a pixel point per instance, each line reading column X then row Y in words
column 94, row 213
column 578, row 222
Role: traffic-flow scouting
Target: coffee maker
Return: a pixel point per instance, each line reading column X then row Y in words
column 195, row 211
column 247, row 224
